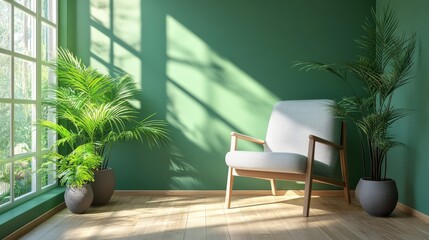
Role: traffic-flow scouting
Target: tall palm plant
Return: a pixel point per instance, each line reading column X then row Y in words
column 97, row 109
column 383, row 69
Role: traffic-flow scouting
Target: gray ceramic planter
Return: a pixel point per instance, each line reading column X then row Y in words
column 377, row 198
column 103, row 186
column 78, row 200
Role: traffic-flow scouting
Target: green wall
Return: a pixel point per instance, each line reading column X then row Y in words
column 409, row 165
column 212, row 67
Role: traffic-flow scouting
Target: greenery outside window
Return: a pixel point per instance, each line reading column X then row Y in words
column 28, row 41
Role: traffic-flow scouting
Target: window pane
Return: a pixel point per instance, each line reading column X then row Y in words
column 48, row 136
column 24, row 79
column 30, row 4
column 24, row 32
column 49, row 10
column 23, row 127
column 5, row 70
column 49, row 42
column 5, row 26
column 31, row 24
column 48, row 176
column 48, row 78
column 4, row 183
column 22, row 173
column 4, row 130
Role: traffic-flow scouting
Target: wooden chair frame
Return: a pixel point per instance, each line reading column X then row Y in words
column 308, row 177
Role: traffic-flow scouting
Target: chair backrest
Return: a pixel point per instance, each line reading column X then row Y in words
column 291, row 123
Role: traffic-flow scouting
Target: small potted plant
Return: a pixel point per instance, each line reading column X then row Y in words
column 75, row 171
column 384, row 68
column 96, row 108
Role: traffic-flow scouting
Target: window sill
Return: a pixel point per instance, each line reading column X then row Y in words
column 19, row 216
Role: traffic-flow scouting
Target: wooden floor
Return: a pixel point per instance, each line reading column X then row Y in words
column 130, row 216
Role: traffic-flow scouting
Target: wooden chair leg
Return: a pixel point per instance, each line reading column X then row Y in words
column 343, row 161
column 273, row 187
column 309, row 178
column 307, row 194
column 229, row 184
column 345, row 176
column 347, row 195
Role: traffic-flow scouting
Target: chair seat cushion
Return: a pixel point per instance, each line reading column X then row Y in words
column 267, row 161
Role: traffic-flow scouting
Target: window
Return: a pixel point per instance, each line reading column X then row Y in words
column 28, row 41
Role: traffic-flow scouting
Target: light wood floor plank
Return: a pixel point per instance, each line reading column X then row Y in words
column 216, row 225
column 133, row 216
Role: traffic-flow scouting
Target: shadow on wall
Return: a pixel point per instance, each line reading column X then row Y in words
column 209, row 68
column 208, row 97
column 198, row 90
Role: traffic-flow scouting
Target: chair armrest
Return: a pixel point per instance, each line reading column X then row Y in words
column 324, row 141
column 235, row 136
column 247, row 138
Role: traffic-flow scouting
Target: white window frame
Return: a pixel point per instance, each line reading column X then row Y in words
column 38, row 152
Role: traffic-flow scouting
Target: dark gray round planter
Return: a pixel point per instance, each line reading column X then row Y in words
column 103, row 186
column 377, row 198
column 78, row 200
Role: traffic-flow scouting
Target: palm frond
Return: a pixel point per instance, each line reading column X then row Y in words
column 153, row 132
column 331, row 68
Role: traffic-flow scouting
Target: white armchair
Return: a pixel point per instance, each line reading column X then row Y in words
column 304, row 142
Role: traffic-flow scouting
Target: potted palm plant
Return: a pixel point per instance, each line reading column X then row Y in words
column 97, row 108
column 383, row 69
